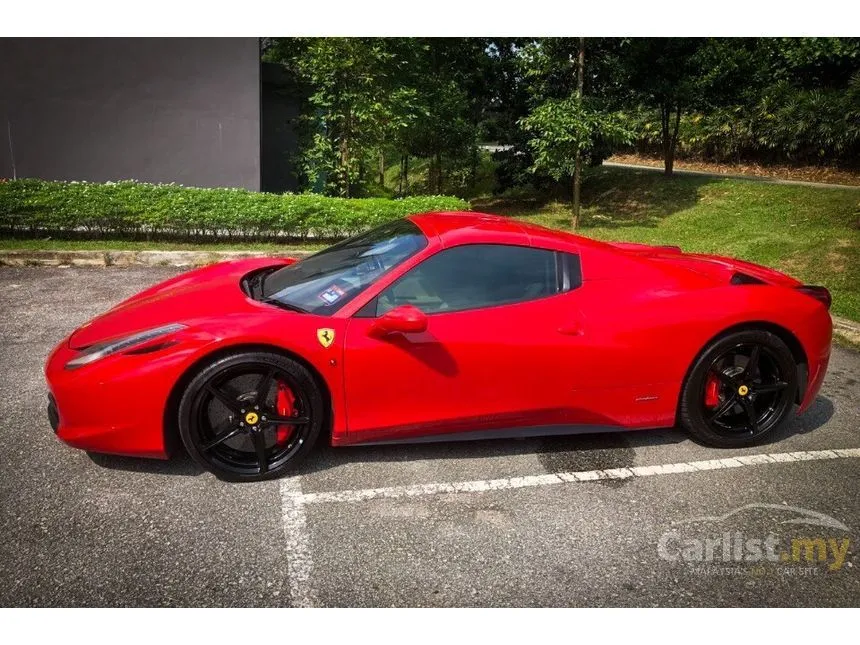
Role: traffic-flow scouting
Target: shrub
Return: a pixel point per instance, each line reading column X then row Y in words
column 134, row 210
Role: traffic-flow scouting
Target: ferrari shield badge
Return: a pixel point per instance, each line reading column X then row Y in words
column 325, row 336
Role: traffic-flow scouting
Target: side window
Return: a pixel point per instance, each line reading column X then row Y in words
column 475, row 276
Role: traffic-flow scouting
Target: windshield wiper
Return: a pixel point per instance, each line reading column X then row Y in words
column 284, row 305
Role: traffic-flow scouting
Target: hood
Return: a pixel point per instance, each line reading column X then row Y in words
column 209, row 291
column 718, row 268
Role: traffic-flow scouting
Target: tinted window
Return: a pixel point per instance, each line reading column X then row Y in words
column 473, row 276
column 324, row 282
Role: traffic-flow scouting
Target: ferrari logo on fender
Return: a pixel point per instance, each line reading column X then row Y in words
column 325, row 336
column 743, row 390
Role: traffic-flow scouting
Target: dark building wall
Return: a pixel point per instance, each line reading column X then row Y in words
column 280, row 108
column 153, row 109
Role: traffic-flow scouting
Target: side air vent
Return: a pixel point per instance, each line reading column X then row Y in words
column 743, row 278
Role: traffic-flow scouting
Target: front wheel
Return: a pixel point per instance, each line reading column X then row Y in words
column 740, row 390
column 251, row 416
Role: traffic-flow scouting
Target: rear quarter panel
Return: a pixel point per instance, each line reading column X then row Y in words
column 642, row 340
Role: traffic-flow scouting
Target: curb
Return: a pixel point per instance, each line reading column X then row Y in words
column 846, row 329
column 19, row 258
column 843, row 324
column 760, row 178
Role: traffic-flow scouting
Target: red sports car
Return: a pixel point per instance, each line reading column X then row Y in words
column 440, row 326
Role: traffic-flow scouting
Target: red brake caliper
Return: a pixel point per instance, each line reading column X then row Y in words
column 285, row 403
column 712, row 391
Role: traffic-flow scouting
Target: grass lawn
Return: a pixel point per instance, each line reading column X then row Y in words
column 810, row 233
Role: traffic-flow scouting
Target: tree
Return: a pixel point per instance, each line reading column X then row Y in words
column 577, row 172
column 564, row 130
column 678, row 75
column 453, row 89
column 372, row 97
column 662, row 74
column 359, row 99
column 571, row 117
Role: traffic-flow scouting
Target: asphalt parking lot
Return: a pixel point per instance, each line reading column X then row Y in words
column 645, row 518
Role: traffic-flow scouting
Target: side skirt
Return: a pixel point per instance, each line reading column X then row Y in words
column 503, row 433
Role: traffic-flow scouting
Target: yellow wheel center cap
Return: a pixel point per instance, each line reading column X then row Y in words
column 743, row 390
column 251, row 418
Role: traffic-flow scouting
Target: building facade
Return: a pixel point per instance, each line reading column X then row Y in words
column 182, row 110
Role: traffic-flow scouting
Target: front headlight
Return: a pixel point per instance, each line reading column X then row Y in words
column 100, row 350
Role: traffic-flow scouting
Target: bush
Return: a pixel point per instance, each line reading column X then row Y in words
column 134, row 210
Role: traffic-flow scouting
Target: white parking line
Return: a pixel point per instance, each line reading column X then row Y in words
column 299, row 559
column 293, row 500
column 507, row 483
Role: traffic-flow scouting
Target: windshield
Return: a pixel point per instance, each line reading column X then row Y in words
column 325, row 282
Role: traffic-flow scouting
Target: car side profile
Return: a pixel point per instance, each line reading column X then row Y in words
column 435, row 327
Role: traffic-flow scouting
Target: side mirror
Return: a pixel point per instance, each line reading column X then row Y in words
column 406, row 319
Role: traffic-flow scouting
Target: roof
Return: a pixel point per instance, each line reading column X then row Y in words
column 460, row 227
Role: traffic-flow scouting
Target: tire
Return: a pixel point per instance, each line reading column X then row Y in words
column 251, row 416
column 740, row 390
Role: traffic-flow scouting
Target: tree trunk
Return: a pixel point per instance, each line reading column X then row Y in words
column 670, row 136
column 344, row 154
column 664, row 134
column 473, row 170
column 382, row 168
column 438, row 172
column 344, row 165
column 577, row 172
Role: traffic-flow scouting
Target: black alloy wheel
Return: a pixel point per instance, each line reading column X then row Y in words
column 740, row 390
column 251, row 416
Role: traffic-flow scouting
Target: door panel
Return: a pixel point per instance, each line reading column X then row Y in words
column 505, row 366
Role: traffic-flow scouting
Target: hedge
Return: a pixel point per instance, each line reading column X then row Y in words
column 134, row 210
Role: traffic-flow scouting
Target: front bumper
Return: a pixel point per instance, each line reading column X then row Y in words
column 116, row 405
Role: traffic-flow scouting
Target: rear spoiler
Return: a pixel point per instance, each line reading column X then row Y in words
column 821, row 294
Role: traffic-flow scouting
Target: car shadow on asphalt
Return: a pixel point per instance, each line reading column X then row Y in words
column 555, row 453
column 179, row 464
column 562, row 453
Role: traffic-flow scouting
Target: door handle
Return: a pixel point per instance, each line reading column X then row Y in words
column 571, row 329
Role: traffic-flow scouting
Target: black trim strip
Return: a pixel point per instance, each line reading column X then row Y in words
column 505, row 433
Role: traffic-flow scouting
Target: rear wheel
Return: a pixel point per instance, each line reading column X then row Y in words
column 740, row 390
column 251, row 416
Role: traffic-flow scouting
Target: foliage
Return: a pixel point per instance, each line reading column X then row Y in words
column 772, row 100
column 785, row 124
column 358, row 100
column 546, row 127
column 666, row 74
column 133, row 210
column 427, row 104
column 560, row 128
column 376, row 98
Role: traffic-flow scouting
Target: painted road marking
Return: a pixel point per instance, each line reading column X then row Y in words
column 294, row 501
column 299, row 560
column 508, row 483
